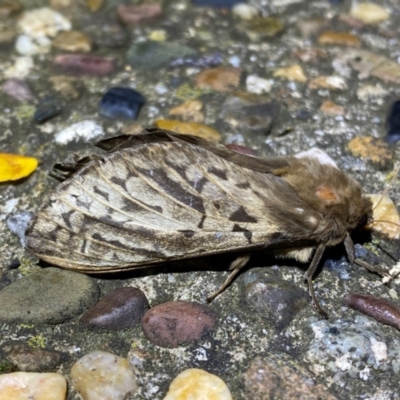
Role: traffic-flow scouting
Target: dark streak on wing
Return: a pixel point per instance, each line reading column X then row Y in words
column 119, row 182
column 241, row 215
column 188, row 233
column 101, row 192
column 220, row 173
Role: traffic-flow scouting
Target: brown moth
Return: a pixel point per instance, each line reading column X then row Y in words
column 160, row 196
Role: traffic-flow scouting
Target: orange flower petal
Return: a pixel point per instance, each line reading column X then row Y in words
column 14, row 166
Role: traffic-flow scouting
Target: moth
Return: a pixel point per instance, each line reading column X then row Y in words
column 161, row 196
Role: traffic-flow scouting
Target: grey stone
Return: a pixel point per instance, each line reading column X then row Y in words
column 50, row 296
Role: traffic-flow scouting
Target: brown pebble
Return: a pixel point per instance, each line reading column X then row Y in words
column 331, row 108
column 120, row 309
column 84, row 64
column 339, row 38
column 176, row 323
column 73, row 41
column 382, row 310
column 135, row 14
column 221, row 79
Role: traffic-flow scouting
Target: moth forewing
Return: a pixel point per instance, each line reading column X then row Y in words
column 160, row 197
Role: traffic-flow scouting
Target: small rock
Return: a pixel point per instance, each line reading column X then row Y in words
column 309, row 27
column 85, row 129
column 48, row 108
column 221, row 79
column 120, row 309
column 18, row 89
column 280, row 377
column 198, row 61
column 106, row 34
column 9, row 8
column 94, row 5
column 73, row 41
column 68, row 87
column 328, row 82
column 393, row 124
column 42, row 22
column 257, row 85
column 311, row 55
column 30, row 385
column 159, row 35
column 28, row 45
column 241, row 149
column 369, row 13
column 177, row 323
column 245, row 11
column 49, row 295
column 135, row 14
column 189, row 128
column 101, row 376
column 21, row 68
column 367, row 93
column 339, row 38
column 81, row 64
column 152, row 54
column 197, row 384
column 372, row 149
column 190, row 110
column 121, row 102
column 259, row 28
column 18, row 223
column 27, row 359
column 386, row 216
column 292, row 73
column 273, row 299
column 330, row 108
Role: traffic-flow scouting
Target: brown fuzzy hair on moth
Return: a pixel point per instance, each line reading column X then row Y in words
column 160, row 196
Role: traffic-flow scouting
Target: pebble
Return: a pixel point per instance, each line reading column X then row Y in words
column 120, row 309
column 189, row 128
column 291, row 73
column 153, row 54
column 177, row 323
column 30, row 385
column 221, row 79
column 103, row 376
column 28, row 359
column 85, row 64
column 135, row 14
column 18, row 89
column 106, row 34
column 332, row 109
column 121, row 102
column 190, row 111
column 385, row 210
column 197, row 384
column 28, row 299
column 369, row 13
column 328, row 82
column 245, row 11
column 198, row 61
column 275, row 300
column 281, row 377
column 18, row 223
column 257, row 85
column 68, row 87
column 94, row 5
column 21, row 69
column 48, row 108
column 73, row 41
column 392, row 123
column 87, row 130
column 43, row 22
column 372, row 149
column 9, row 9
column 28, row 46
column 367, row 93
column 259, row 28
column 310, row 27
column 339, row 38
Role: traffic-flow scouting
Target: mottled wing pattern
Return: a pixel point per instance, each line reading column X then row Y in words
column 154, row 203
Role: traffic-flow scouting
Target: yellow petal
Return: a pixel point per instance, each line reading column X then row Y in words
column 14, row 166
column 189, row 128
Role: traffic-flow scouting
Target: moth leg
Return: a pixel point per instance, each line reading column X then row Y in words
column 235, row 267
column 309, row 274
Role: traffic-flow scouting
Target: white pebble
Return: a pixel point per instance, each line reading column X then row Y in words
column 84, row 129
column 28, row 45
column 196, row 384
column 102, row 376
column 235, row 61
column 21, row 68
column 255, row 84
column 32, row 385
column 244, row 11
column 318, row 154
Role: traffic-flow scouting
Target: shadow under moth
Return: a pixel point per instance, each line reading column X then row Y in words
column 160, row 196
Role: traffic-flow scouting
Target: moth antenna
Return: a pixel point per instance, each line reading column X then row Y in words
column 386, row 222
column 385, row 192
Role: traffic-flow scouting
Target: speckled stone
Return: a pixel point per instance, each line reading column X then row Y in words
column 197, row 384
column 30, row 385
column 50, row 295
column 103, row 376
column 49, row 107
column 135, row 14
column 221, row 79
column 120, row 309
column 176, row 323
column 85, row 64
column 106, row 34
column 73, row 41
column 18, row 89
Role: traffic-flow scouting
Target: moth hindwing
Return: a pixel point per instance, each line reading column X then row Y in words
column 160, row 197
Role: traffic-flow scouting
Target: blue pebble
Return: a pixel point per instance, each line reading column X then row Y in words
column 393, row 124
column 121, row 102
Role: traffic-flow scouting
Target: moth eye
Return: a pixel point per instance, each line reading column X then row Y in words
column 362, row 222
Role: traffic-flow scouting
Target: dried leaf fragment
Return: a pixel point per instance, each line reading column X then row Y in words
column 385, row 211
column 189, row 128
column 14, row 166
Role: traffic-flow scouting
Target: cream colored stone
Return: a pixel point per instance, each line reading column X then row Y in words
column 369, row 13
column 32, row 385
column 196, row 384
column 385, row 210
column 292, row 73
column 103, row 376
column 245, row 11
column 257, row 85
column 328, row 82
